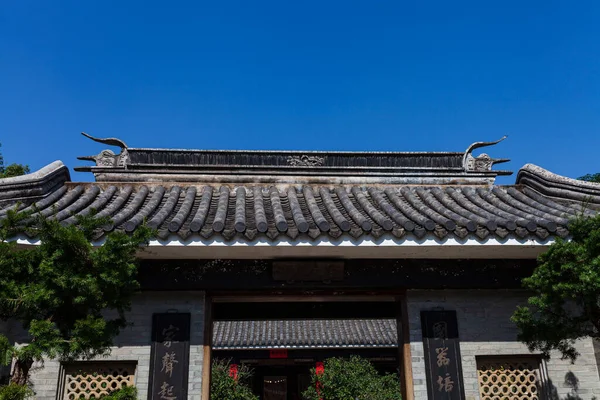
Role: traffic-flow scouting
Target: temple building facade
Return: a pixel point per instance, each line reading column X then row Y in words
column 279, row 260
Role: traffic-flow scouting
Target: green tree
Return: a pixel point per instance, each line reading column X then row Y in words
column 353, row 378
column 15, row 392
column 225, row 387
column 591, row 177
column 126, row 393
column 565, row 305
column 12, row 169
column 69, row 296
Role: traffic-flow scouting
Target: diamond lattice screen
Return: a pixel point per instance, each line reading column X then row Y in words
column 509, row 378
column 94, row 380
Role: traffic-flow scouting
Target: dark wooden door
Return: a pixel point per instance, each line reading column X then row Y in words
column 281, row 382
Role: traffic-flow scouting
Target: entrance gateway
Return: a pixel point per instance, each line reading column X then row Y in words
column 282, row 340
column 280, row 260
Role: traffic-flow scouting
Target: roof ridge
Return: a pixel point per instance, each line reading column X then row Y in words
column 554, row 185
column 284, row 165
column 35, row 184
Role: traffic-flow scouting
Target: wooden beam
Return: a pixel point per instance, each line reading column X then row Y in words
column 237, row 298
column 406, row 374
column 368, row 275
column 207, row 348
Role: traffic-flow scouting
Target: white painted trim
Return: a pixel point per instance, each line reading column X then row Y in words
column 348, row 241
column 343, row 241
column 387, row 246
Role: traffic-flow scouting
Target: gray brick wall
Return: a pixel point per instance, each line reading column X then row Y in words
column 485, row 329
column 483, row 321
column 134, row 343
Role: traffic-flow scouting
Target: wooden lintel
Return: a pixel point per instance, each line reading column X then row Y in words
column 406, row 374
column 207, row 348
column 261, row 298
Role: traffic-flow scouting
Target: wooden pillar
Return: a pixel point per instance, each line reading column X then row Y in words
column 207, row 347
column 406, row 375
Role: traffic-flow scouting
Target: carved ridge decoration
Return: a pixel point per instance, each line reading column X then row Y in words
column 108, row 158
column 483, row 162
column 95, row 380
column 516, row 378
column 306, row 161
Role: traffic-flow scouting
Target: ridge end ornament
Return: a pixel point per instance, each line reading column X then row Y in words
column 483, row 162
column 108, row 158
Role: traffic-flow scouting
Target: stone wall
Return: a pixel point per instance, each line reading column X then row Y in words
column 135, row 341
column 483, row 322
column 485, row 329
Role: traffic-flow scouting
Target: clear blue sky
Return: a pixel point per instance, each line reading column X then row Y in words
column 320, row 75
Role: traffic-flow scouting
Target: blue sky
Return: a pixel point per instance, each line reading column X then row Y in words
column 319, row 75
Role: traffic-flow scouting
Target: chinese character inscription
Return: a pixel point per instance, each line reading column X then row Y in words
column 170, row 361
column 442, row 355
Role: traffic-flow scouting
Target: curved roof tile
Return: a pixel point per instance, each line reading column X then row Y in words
column 305, row 334
column 253, row 210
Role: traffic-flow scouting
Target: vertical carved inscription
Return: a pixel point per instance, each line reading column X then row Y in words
column 442, row 355
column 170, row 356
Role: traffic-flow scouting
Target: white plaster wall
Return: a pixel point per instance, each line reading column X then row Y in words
column 485, row 329
column 134, row 343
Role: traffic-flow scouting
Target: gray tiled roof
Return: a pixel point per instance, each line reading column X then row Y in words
column 304, row 334
column 540, row 206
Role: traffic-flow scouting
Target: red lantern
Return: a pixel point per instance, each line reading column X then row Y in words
column 233, row 371
column 319, row 370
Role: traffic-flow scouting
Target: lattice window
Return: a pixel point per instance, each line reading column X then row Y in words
column 93, row 380
column 510, row 378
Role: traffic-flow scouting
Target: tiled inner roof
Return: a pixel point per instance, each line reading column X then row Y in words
column 304, row 334
column 250, row 212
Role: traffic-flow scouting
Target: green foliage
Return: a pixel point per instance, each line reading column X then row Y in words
column 12, row 169
column 126, row 393
column 350, row 379
column 224, row 387
column 6, row 350
column 62, row 289
column 565, row 305
column 15, row 392
column 591, row 177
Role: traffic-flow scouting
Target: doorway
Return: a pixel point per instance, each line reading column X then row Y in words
column 287, row 379
column 281, row 341
column 281, row 383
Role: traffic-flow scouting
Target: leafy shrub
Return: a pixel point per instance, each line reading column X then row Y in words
column 224, row 387
column 353, row 378
column 13, row 391
column 125, row 393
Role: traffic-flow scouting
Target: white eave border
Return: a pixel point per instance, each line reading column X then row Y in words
column 345, row 247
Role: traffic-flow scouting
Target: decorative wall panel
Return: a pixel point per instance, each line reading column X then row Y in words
column 95, row 380
column 509, row 378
